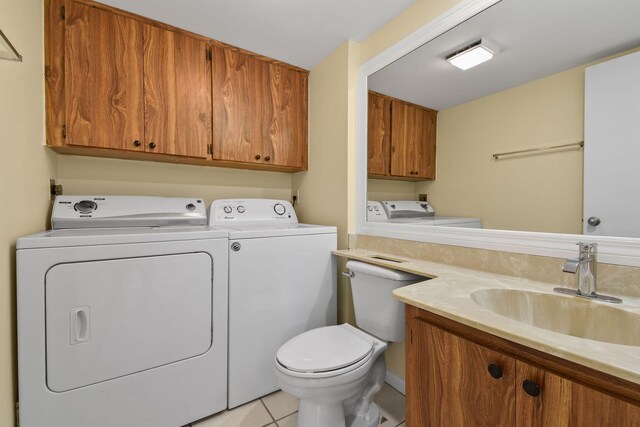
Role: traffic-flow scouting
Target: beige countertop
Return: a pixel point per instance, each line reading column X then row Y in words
column 448, row 294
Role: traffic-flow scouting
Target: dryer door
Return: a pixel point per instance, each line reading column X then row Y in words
column 108, row 319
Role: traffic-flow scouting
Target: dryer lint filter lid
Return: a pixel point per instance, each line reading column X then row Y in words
column 324, row 349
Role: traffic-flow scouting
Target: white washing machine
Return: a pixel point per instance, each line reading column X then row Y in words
column 415, row 213
column 282, row 282
column 122, row 326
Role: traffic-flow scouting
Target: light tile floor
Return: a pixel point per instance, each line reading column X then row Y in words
column 280, row 409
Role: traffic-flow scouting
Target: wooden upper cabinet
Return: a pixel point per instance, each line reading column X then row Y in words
column 103, row 79
column 413, row 141
column 259, row 110
column 238, row 89
column 284, row 122
column 449, row 383
column 378, row 134
column 177, row 93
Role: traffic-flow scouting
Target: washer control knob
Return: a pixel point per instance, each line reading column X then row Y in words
column 240, row 209
column 375, row 208
column 279, row 208
column 85, row 206
column 191, row 207
column 369, row 208
column 227, row 209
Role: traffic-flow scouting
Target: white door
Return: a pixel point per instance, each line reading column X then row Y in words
column 612, row 148
column 108, row 319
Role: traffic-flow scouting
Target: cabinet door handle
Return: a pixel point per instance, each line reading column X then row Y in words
column 495, row 370
column 137, row 143
column 531, row 388
column 152, row 145
column 267, row 158
column 257, row 156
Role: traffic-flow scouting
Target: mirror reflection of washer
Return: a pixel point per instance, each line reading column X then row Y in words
column 122, row 314
column 281, row 283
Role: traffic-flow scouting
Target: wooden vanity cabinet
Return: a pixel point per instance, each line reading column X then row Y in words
column 459, row 376
column 259, row 110
column 401, row 139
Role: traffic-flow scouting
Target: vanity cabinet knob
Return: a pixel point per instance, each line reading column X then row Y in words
column 267, row 158
column 152, row 145
column 257, row 156
column 137, row 143
column 495, row 370
column 531, row 388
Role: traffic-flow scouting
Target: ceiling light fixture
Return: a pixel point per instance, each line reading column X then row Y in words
column 472, row 55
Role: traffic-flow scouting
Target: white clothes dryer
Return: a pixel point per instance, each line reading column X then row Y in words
column 282, row 282
column 122, row 326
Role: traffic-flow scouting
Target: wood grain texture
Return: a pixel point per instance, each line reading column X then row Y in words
column 378, row 134
column 591, row 379
column 413, row 140
column 564, row 403
column 166, row 158
column 551, row 408
column 239, row 88
column 257, row 56
column 54, row 71
column 284, row 120
column 449, row 384
column 103, row 78
column 177, row 93
column 259, row 110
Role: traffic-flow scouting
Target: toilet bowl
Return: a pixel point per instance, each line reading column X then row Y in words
column 336, row 371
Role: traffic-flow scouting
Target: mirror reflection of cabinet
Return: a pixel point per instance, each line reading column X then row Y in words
column 401, row 139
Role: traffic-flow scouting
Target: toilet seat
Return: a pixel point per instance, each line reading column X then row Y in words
column 326, row 352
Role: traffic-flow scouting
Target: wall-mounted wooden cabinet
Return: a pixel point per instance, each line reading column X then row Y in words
column 120, row 85
column 401, row 139
column 454, row 380
column 260, row 110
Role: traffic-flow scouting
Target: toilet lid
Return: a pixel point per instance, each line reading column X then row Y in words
column 324, row 349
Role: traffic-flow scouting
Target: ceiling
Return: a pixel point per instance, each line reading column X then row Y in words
column 299, row 32
column 537, row 39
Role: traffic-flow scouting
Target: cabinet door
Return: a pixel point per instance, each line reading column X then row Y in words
column 379, row 134
column 412, row 141
column 449, row 383
column 564, row 403
column 284, row 122
column 103, row 79
column 177, row 93
column 238, row 94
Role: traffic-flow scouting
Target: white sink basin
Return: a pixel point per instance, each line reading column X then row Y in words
column 567, row 315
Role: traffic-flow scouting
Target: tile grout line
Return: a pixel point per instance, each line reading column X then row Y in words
column 273, row 419
column 288, row 415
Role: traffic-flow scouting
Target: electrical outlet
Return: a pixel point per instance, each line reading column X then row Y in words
column 54, row 189
column 422, row 197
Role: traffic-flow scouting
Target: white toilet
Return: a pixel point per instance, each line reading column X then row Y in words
column 336, row 371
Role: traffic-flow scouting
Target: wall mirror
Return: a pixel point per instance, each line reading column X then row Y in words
column 506, row 137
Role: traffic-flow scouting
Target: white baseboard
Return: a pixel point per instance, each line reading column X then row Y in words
column 395, row 381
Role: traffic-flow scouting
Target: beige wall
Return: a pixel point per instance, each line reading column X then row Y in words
column 387, row 189
column 541, row 192
column 25, row 169
column 92, row 175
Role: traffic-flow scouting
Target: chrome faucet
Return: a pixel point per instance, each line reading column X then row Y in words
column 586, row 266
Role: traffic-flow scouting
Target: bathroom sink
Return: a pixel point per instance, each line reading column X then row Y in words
column 567, row 315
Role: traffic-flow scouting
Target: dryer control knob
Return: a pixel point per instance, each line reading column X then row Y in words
column 85, row 206
column 240, row 209
column 279, row 208
column 227, row 209
column 191, row 207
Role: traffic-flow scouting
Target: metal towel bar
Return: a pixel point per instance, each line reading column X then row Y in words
column 534, row 150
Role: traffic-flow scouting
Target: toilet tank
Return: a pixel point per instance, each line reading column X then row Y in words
column 377, row 312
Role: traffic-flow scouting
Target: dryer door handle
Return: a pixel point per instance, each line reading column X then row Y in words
column 79, row 325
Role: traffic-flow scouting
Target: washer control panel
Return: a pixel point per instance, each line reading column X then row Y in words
column 126, row 211
column 375, row 212
column 228, row 211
